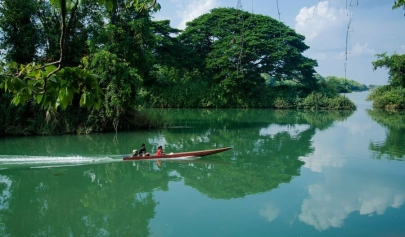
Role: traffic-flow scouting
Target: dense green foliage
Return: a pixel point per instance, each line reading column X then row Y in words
column 239, row 59
column 343, row 85
column 87, row 67
column 234, row 52
column 390, row 96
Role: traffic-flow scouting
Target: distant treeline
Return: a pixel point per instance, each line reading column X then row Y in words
column 334, row 83
column 343, row 85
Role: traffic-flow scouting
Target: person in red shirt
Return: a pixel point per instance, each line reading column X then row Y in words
column 159, row 152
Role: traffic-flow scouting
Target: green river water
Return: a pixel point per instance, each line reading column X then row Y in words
column 290, row 173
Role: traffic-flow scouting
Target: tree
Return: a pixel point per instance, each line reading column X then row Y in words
column 390, row 96
column 168, row 49
column 53, row 84
column 398, row 4
column 396, row 66
column 20, row 33
column 235, row 47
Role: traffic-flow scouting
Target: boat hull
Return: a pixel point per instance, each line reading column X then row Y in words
column 190, row 154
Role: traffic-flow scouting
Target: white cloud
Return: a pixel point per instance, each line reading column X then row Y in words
column 361, row 49
column 320, row 21
column 358, row 129
column 323, row 158
column 269, row 211
column 358, row 50
column 274, row 129
column 328, row 205
column 193, row 9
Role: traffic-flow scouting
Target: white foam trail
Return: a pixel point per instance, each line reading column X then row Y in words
column 47, row 161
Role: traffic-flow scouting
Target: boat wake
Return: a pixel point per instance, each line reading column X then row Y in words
column 12, row 161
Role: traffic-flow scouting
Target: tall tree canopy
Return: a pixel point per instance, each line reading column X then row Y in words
column 234, row 47
column 55, row 80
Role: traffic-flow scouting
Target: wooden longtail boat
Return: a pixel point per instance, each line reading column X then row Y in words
column 170, row 156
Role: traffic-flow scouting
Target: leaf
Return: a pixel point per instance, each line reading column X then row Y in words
column 62, row 98
column 98, row 104
column 93, row 77
column 56, row 3
column 83, row 99
column 39, row 98
column 16, row 100
column 38, row 74
column 109, row 4
column 70, row 4
column 6, row 82
column 50, row 69
column 52, row 79
column 14, row 65
column 69, row 93
column 56, row 105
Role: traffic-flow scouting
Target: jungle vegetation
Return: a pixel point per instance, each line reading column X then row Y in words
column 391, row 96
column 70, row 66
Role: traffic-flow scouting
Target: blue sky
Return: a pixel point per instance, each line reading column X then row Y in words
column 374, row 28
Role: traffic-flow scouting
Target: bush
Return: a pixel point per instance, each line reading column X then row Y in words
column 389, row 97
column 319, row 101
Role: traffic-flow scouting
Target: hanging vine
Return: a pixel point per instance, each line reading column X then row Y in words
column 348, row 29
column 350, row 14
column 279, row 19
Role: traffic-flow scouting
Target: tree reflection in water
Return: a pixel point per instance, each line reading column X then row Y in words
column 393, row 148
column 118, row 198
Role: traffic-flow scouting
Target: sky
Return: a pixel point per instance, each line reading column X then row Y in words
column 374, row 28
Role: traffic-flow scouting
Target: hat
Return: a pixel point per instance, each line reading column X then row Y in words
column 134, row 151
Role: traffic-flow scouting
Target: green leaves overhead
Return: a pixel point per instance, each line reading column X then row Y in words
column 58, row 83
column 139, row 5
column 53, row 90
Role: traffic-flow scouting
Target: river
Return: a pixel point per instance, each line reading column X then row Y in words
column 289, row 173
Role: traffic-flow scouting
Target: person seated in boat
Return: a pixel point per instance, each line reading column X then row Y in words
column 134, row 153
column 159, row 152
column 142, row 151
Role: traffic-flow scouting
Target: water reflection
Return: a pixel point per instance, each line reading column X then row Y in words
column 102, row 200
column 393, row 148
column 343, row 193
column 263, row 157
column 270, row 212
column 118, row 198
